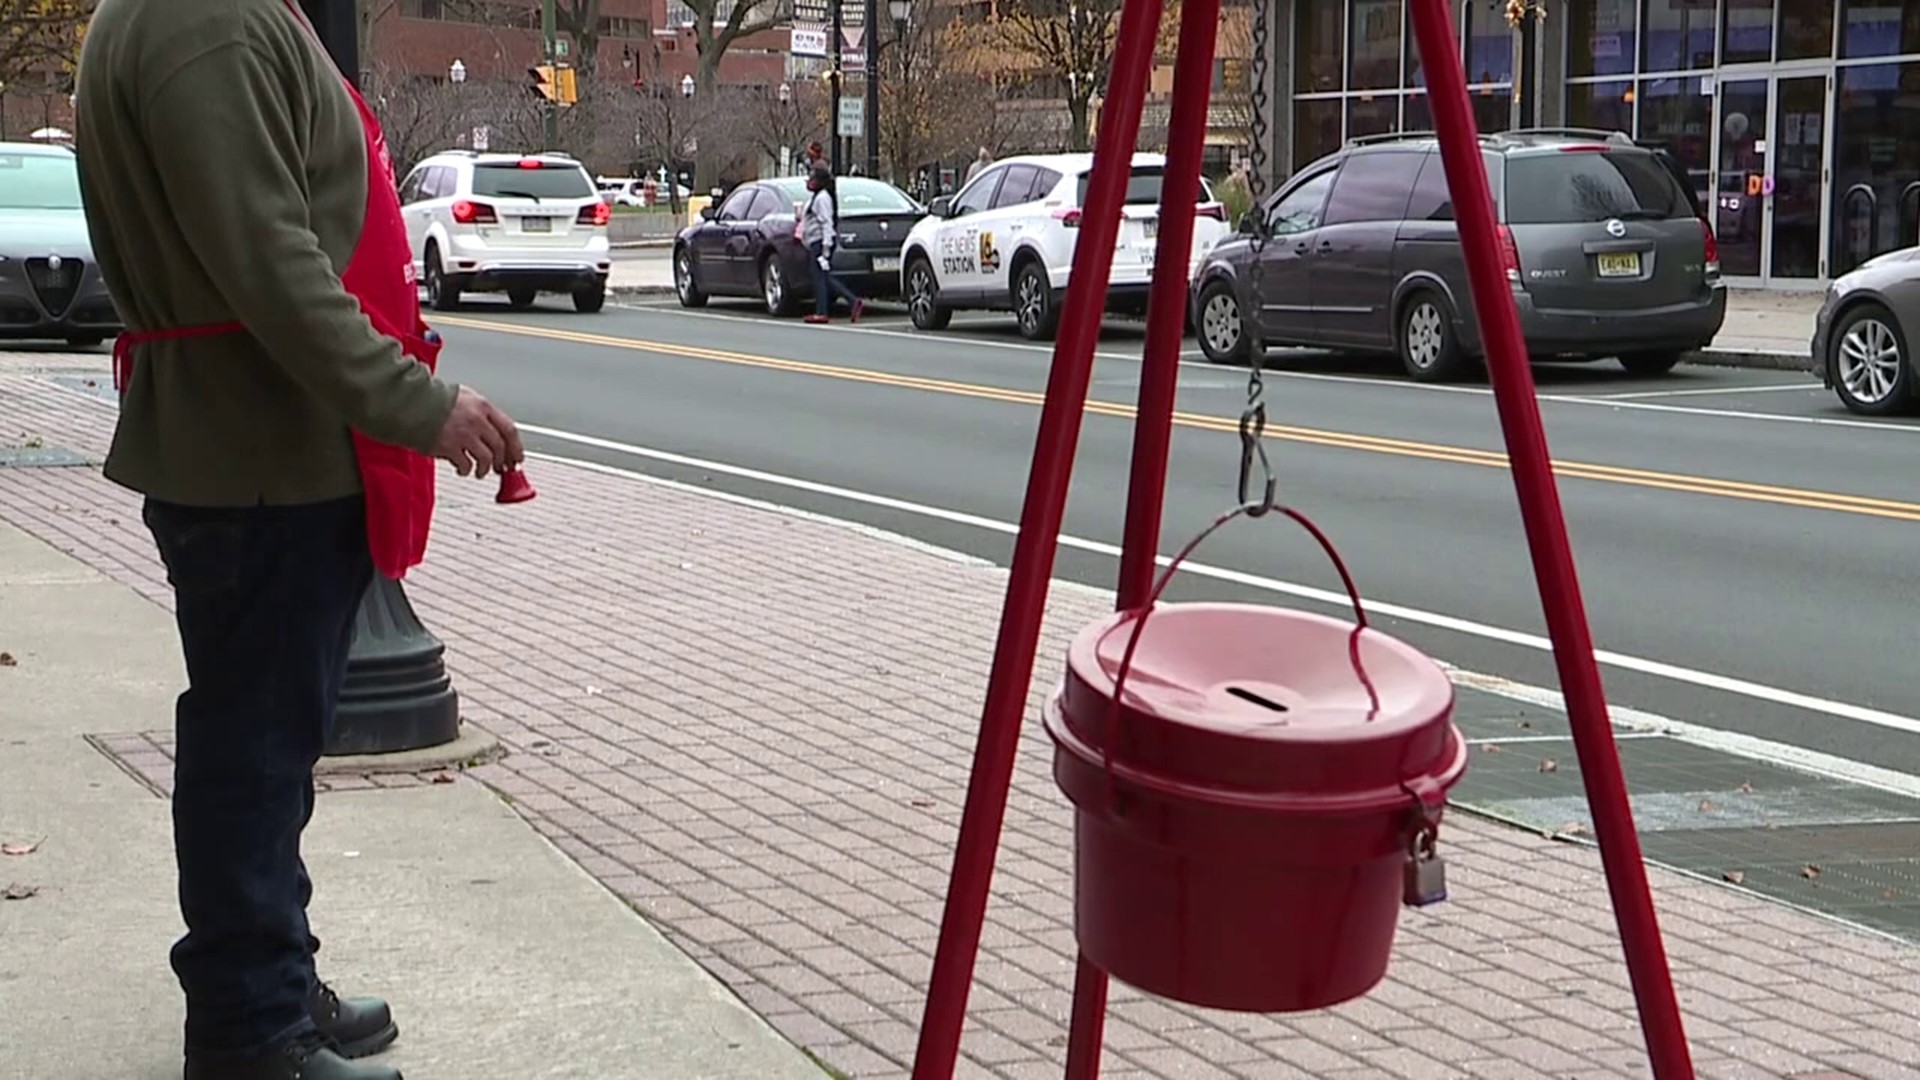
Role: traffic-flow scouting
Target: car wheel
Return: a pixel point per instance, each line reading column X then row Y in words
column 923, row 298
column 1429, row 349
column 1223, row 336
column 85, row 341
column 773, row 288
column 521, row 299
column 443, row 293
column 1650, row 363
column 590, row 299
column 1033, row 305
column 1871, row 369
column 684, row 283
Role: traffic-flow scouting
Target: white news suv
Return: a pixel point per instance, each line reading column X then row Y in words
column 522, row 224
column 1005, row 242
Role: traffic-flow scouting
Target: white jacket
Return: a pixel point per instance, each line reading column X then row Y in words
column 819, row 225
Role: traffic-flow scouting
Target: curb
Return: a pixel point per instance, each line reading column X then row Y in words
column 641, row 291
column 1751, row 358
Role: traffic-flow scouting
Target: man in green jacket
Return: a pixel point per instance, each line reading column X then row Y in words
column 226, row 178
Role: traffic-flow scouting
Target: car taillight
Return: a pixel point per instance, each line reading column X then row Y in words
column 531, row 163
column 597, row 214
column 1070, row 217
column 473, row 213
column 1509, row 254
column 1214, row 210
column 1713, row 248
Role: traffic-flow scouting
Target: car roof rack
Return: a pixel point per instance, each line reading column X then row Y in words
column 1358, row 141
column 1618, row 138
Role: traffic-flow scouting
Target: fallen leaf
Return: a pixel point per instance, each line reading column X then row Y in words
column 1492, row 748
column 36, row 443
column 7, row 660
column 1734, row 876
column 19, row 892
column 1746, row 788
column 20, row 849
column 1809, row 871
column 443, row 778
column 923, row 804
column 1547, row 764
column 1573, row 828
column 1526, row 723
column 1707, row 807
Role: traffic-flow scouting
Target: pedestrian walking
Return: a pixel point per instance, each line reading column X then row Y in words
column 280, row 414
column 983, row 160
column 820, row 229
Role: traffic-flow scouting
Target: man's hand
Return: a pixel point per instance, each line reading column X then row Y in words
column 825, row 260
column 478, row 438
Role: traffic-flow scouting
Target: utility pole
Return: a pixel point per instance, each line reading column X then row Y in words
column 550, row 39
column 833, row 114
column 872, row 33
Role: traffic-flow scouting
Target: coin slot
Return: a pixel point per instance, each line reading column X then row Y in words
column 1264, row 702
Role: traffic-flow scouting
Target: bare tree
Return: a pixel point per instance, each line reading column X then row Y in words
column 41, row 37
column 772, row 125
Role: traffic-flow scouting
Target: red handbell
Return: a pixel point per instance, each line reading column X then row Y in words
column 514, row 487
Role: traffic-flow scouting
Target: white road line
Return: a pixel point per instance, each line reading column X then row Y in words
column 1769, row 388
column 1589, row 400
column 1641, row 665
column 1639, row 724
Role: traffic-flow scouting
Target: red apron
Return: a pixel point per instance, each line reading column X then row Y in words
column 398, row 482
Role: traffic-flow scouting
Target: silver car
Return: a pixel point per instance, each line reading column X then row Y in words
column 1860, row 336
column 50, row 288
column 1606, row 251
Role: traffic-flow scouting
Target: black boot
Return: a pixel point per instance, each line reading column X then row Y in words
column 357, row 1026
column 309, row 1057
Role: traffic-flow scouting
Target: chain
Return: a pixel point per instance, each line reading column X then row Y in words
column 1253, row 421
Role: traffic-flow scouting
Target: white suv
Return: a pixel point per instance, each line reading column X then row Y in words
column 1005, row 242
column 512, row 223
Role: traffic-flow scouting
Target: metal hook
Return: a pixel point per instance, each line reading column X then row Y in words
column 1253, row 448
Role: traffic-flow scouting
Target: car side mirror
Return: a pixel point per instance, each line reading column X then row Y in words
column 941, row 207
column 708, row 213
column 1250, row 223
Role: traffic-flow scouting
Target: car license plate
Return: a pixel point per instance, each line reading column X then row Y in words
column 1620, row 264
column 545, row 225
column 886, row 264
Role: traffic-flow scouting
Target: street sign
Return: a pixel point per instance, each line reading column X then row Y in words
column 482, row 138
column 560, row 47
column 853, row 118
column 808, row 41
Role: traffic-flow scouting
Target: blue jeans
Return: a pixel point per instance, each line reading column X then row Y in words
column 265, row 598
column 825, row 285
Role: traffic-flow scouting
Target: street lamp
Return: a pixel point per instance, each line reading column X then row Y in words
column 458, row 73
column 786, row 94
column 686, row 86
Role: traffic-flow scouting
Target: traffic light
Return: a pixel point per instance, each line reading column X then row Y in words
column 543, row 81
column 564, row 83
column 555, row 83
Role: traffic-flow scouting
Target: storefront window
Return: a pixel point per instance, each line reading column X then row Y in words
column 1489, row 45
column 1316, row 129
column 1806, row 30
column 1322, row 46
column 1372, row 114
column 1747, row 31
column 1604, row 105
column 1493, row 109
column 1678, row 35
column 1876, row 172
column 1418, row 113
column 1677, row 115
column 1879, row 27
column 1600, row 37
column 1376, row 45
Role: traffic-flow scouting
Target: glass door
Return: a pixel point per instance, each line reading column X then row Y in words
column 1740, row 176
column 1799, row 162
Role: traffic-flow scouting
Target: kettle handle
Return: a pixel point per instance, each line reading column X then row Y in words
column 1139, row 617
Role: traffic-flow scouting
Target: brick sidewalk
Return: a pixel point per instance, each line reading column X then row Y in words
column 757, row 727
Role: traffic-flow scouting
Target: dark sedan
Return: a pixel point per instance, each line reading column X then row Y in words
column 748, row 245
column 50, row 288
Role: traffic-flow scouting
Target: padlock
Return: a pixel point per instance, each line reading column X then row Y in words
column 1426, row 871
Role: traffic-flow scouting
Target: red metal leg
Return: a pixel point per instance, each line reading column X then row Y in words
column 1089, row 1021
column 1546, row 530
column 1033, row 555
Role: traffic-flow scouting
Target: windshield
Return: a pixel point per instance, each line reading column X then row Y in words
column 1568, row 187
column 1143, row 187
column 39, row 182
column 520, row 182
column 856, row 194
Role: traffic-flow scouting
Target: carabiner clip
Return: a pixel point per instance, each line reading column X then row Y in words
column 1253, row 447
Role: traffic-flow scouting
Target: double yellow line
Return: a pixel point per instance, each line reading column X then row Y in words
column 1459, row 455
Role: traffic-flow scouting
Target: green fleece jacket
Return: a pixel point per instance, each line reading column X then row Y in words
column 224, row 174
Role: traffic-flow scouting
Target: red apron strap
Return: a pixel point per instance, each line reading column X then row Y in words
column 128, row 340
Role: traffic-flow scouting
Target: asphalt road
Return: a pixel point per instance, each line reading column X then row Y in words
column 1742, row 541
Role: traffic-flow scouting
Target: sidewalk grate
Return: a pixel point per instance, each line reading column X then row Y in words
column 39, row 457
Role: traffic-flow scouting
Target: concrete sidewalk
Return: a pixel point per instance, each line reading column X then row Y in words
column 500, row 956
column 756, row 725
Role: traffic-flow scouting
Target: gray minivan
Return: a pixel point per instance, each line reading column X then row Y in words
column 1606, row 251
